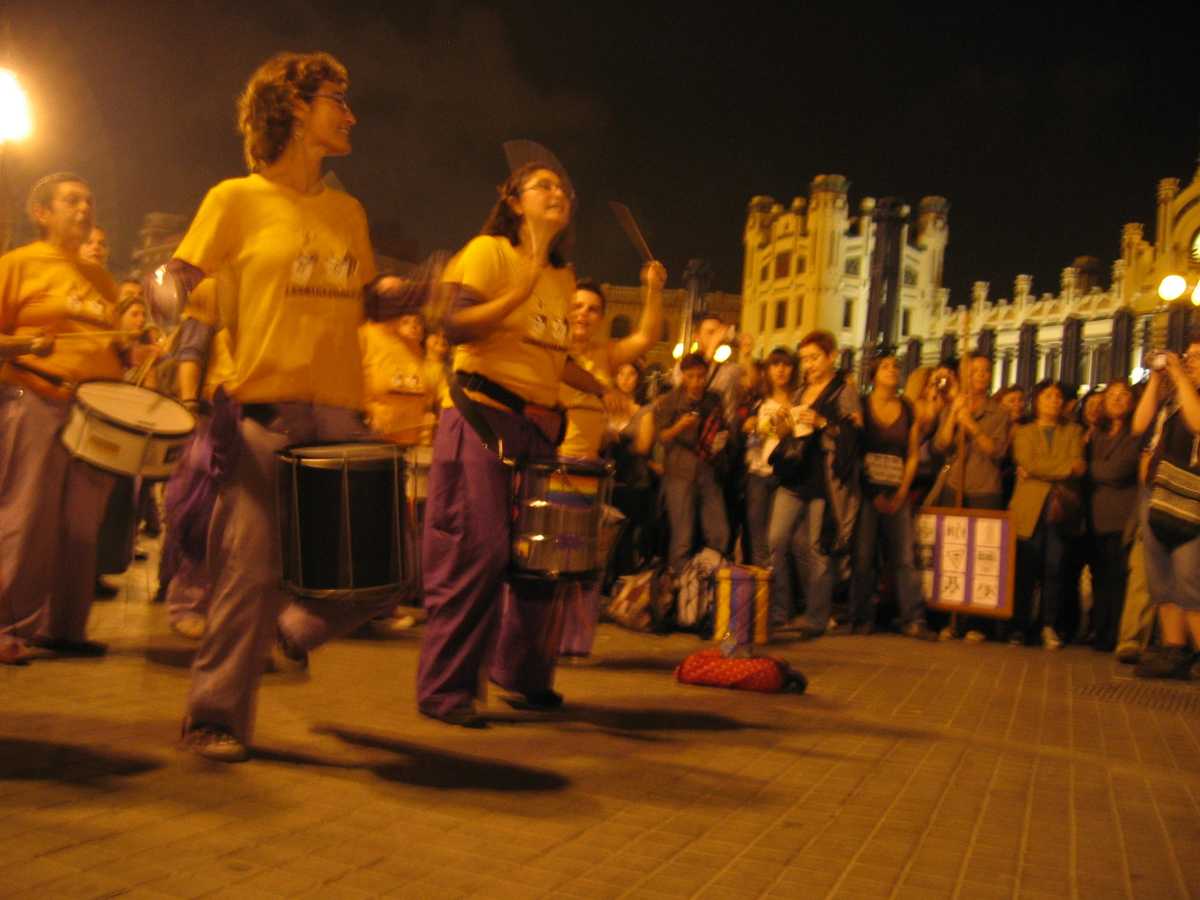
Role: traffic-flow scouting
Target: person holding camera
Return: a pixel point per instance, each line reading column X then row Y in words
column 691, row 427
column 1170, row 520
column 973, row 432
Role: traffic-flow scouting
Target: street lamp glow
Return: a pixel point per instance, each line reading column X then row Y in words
column 722, row 353
column 15, row 121
column 1196, row 294
column 1172, row 287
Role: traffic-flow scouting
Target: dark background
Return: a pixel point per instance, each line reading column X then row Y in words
column 1046, row 129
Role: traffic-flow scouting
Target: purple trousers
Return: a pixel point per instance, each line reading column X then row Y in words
column 50, row 511
column 465, row 555
column 581, row 613
column 245, row 597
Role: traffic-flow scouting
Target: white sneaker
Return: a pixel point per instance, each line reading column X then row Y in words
column 1050, row 639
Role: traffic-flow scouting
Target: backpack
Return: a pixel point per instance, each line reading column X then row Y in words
column 711, row 668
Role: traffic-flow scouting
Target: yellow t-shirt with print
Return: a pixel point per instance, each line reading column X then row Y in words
column 586, row 416
column 526, row 351
column 44, row 288
column 397, row 393
column 296, row 266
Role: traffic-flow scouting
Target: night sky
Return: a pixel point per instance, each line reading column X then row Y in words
column 1046, row 129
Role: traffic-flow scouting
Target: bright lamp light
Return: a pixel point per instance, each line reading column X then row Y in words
column 1172, row 287
column 677, row 353
column 1196, row 294
column 15, row 121
column 722, row 353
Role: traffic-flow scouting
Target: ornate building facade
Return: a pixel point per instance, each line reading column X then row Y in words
column 876, row 278
column 871, row 277
column 1088, row 334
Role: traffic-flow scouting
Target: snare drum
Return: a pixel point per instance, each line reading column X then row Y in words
column 557, row 527
column 341, row 520
column 127, row 429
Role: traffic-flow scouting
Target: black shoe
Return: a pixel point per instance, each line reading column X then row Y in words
column 1165, row 662
column 103, row 590
column 63, row 647
column 463, row 716
column 536, row 701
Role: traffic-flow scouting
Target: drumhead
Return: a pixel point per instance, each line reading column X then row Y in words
column 135, row 407
column 356, row 451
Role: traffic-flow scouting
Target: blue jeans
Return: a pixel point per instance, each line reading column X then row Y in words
column 795, row 533
column 682, row 497
column 896, row 530
column 760, row 489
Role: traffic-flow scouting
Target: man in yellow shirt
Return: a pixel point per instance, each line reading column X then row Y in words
column 50, row 504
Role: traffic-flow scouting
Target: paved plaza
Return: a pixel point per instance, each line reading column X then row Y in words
column 908, row 770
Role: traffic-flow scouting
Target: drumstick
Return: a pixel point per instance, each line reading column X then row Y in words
column 630, row 226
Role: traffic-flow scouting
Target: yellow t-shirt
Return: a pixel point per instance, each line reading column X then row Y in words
column 41, row 287
column 297, row 265
column 398, row 395
column 220, row 367
column 526, row 352
column 586, row 416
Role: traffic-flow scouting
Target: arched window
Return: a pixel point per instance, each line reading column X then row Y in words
column 620, row 327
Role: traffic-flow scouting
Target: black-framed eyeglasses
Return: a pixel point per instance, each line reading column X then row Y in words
column 546, row 186
column 339, row 99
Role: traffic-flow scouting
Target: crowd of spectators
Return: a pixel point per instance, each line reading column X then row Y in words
column 790, row 464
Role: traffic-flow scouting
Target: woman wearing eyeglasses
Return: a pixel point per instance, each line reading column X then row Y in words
column 509, row 293
column 297, row 261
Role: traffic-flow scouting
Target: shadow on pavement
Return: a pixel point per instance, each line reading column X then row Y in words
column 633, row 664
column 174, row 656
column 424, row 766
column 613, row 718
column 49, row 761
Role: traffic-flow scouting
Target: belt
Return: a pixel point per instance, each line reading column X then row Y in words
column 481, row 384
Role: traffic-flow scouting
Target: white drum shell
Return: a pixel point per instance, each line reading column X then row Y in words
column 127, row 430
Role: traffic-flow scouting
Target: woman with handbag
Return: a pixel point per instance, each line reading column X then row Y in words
column 1171, row 517
column 1045, row 508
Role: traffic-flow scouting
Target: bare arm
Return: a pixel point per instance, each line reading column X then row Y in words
column 575, row 376
column 626, row 350
column 643, row 443
column 1189, row 401
column 1143, row 414
column 474, row 321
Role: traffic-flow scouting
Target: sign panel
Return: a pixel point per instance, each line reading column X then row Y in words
column 966, row 560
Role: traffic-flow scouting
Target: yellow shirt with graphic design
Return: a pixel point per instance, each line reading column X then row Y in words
column 44, row 288
column 296, row 266
column 586, row 416
column 526, row 352
column 398, row 395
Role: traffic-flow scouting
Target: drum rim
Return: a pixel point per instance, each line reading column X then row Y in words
column 390, row 457
column 82, row 403
column 596, row 468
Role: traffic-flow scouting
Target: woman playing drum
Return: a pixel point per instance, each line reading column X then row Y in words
column 296, row 257
column 510, row 291
column 50, row 504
